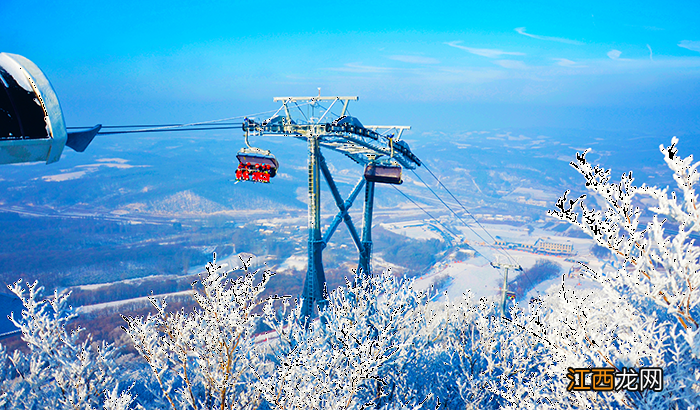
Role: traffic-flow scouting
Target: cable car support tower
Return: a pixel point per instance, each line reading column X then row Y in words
column 378, row 148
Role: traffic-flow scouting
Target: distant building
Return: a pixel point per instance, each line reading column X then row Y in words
column 554, row 247
column 541, row 245
column 515, row 245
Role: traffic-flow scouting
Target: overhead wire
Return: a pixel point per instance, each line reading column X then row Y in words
column 428, row 213
column 231, row 127
column 301, row 111
column 122, row 126
column 192, row 124
column 453, row 212
column 457, row 200
column 142, row 126
column 207, row 125
column 500, row 249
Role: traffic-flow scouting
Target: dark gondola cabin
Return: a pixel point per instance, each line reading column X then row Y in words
column 383, row 173
column 31, row 121
column 256, row 165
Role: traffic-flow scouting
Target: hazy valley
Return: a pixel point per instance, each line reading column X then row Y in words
column 135, row 215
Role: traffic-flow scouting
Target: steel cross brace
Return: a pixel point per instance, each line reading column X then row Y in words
column 343, row 206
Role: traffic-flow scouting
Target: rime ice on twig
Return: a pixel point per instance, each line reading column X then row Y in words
column 646, row 312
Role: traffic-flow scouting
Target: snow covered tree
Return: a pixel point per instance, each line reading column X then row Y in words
column 363, row 350
column 204, row 359
column 357, row 354
column 645, row 313
column 59, row 371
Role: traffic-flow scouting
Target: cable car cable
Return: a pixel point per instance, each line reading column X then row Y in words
column 460, row 204
column 500, row 249
column 453, row 212
column 145, row 126
column 426, row 212
column 503, row 250
column 168, row 127
column 168, row 130
column 440, row 223
column 301, row 111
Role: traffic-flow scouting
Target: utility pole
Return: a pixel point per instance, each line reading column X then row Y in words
column 504, row 290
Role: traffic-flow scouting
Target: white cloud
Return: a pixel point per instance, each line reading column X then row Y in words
column 521, row 30
column 360, row 68
column 415, row 59
column 565, row 62
column 514, row 64
column 484, row 52
column 614, row 54
column 651, row 53
column 690, row 45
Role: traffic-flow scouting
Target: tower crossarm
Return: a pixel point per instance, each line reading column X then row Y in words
column 335, row 130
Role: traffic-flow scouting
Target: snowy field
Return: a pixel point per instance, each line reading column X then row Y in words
column 417, row 229
column 478, row 276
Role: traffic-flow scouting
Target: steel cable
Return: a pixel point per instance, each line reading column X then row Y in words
column 499, row 248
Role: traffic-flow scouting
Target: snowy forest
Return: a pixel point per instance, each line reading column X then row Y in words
column 381, row 344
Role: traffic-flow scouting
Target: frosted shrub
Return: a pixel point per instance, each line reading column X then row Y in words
column 205, row 359
column 377, row 343
column 494, row 361
column 58, row 372
column 646, row 311
column 356, row 354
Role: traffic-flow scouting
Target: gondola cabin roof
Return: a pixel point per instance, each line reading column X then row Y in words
column 245, row 158
column 31, row 121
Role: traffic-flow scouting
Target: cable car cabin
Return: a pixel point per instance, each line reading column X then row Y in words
column 383, row 173
column 256, row 165
column 31, row 121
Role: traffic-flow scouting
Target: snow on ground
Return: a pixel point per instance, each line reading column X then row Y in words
column 64, row 177
column 413, row 229
column 229, row 263
column 235, row 261
column 454, row 276
column 297, row 262
column 483, row 280
column 475, row 274
column 120, row 303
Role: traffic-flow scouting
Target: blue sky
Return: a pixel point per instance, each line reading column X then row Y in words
column 435, row 65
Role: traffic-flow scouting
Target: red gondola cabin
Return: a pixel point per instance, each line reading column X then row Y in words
column 256, row 165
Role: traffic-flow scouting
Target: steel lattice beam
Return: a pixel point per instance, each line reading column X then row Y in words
column 362, row 144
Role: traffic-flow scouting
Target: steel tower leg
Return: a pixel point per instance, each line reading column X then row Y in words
column 364, row 267
column 315, row 281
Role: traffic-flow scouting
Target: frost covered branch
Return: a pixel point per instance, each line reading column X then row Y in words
column 59, row 371
column 655, row 264
column 646, row 310
column 203, row 359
